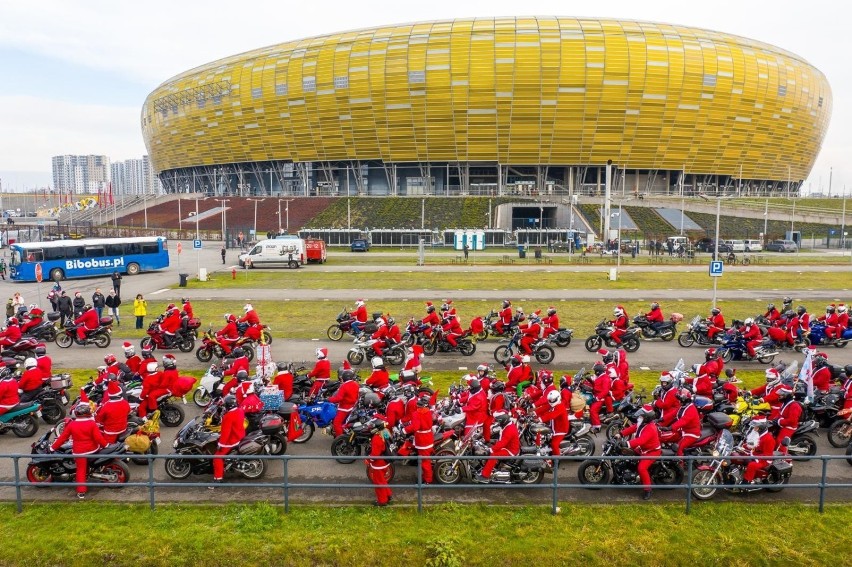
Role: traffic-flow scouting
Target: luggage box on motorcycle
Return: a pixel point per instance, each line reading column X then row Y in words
column 60, row 381
column 287, row 408
column 249, row 446
column 782, row 466
column 54, row 316
column 194, row 323
column 532, row 465
column 105, row 321
column 719, row 420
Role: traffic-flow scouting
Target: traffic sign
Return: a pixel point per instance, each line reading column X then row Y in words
column 716, row 268
column 196, row 244
column 39, row 276
column 179, row 247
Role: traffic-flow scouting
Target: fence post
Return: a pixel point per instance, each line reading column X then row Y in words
column 822, row 484
column 151, row 483
column 689, row 485
column 286, row 484
column 18, row 502
column 420, row 482
column 556, row 460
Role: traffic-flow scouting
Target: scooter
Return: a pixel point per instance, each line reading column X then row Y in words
column 21, row 419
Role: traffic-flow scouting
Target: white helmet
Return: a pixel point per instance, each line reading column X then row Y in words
column 618, row 312
column 377, row 362
column 359, row 303
column 554, row 397
column 379, row 322
column 749, row 321
column 773, row 377
column 32, row 306
column 30, row 363
column 841, row 308
column 152, row 367
column 247, row 307
column 322, row 353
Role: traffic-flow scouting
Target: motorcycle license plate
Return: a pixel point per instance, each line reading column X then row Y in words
column 157, row 440
column 64, row 400
column 38, row 413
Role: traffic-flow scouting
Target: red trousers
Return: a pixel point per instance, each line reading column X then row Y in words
column 110, row 437
column 426, row 464
column 339, row 418
column 491, row 463
column 595, row 411
column 81, row 333
column 317, row 386
column 219, row 463
column 526, row 344
column 713, row 331
column 753, row 468
column 616, row 335
column 377, row 476
column 644, row 466
column 751, row 345
column 686, row 442
column 555, row 442
column 784, row 433
column 81, row 473
column 150, row 402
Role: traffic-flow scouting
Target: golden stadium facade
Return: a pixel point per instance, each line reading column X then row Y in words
column 492, row 105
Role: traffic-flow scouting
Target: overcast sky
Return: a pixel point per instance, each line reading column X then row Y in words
column 76, row 72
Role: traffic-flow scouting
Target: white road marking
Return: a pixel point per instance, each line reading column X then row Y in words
column 165, row 289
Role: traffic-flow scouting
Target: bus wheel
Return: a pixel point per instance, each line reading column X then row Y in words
column 56, row 274
column 132, row 269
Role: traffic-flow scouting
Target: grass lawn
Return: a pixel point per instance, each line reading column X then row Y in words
column 92, row 533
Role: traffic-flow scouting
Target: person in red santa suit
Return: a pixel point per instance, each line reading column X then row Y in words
column 395, row 409
column 752, row 336
column 424, row 438
column 44, row 362
column 452, row 329
column 550, row 323
column 152, row 388
column 131, row 359
column 507, row 445
column 86, row 438
column 379, row 379
column 113, row 413
column 829, row 319
column 646, row 443
column 35, row 316
column 655, row 316
column 376, row 464
column 667, row 403
column 186, row 307
column 239, row 362
column 232, row 432
column 556, row 416
column 31, row 380
column 799, row 325
column 687, row 426
column 496, row 403
column 841, row 325
column 431, row 319
column 170, row 373
column 228, row 335
column 504, row 318
column 762, row 446
column 12, row 333
column 476, row 408
column 345, row 397
column 379, row 336
column 284, row 380
column 169, row 326
column 600, row 392
column 716, row 323
column 789, row 416
column 545, row 385
column 87, row 321
column 822, row 373
column 320, row 373
column 253, row 330
column 519, row 373
column 531, row 332
column 772, row 314
column 729, row 385
column 619, row 323
column 359, row 316
column 708, row 373
column 768, row 392
column 9, row 396
column 114, row 367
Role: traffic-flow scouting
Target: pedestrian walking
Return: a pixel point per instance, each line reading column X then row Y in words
column 466, row 251
column 98, row 302
column 224, row 250
column 53, row 297
column 113, row 300
column 140, row 309
column 10, row 308
column 2, row 268
column 66, row 308
column 116, row 283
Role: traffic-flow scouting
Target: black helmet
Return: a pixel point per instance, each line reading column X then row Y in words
column 230, row 402
column 169, row 362
column 646, row 412
column 241, row 375
column 788, row 301
column 709, row 353
column 514, row 361
column 238, row 352
column 346, row 374
column 283, row 366
column 430, row 309
column 502, row 419
column 146, row 353
column 83, row 410
column 40, row 351
column 608, row 357
column 546, row 377
column 784, row 393
column 847, row 370
column 506, row 303
column 801, row 310
column 551, row 311
column 788, row 313
column 498, row 386
column 423, row 402
column 376, row 425
column 829, row 308
column 715, row 311
column 183, row 300
column 598, row 369
column 475, row 386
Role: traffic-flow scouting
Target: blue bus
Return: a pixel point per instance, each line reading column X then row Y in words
column 63, row 259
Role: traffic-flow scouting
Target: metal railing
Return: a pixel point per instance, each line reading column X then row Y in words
column 287, row 486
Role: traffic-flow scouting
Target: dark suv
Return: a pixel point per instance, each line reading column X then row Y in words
column 360, row 245
column 707, row 245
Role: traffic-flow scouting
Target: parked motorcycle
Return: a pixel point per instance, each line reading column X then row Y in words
column 363, row 350
column 437, row 343
column 210, row 347
column 713, row 426
column 802, row 442
column 541, row 351
column 527, row 468
column 100, row 336
column 578, row 442
column 597, row 472
column 183, row 340
column 46, row 330
column 171, row 414
column 727, row 469
column 209, row 387
column 356, row 437
column 734, row 348
column 21, row 419
column 667, row 330
column 21, row 349
column 840, row 432
column 59, row 466
column 602, row 336
column 53, row 398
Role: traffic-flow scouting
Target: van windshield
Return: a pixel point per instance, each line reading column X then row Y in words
column 255, row 250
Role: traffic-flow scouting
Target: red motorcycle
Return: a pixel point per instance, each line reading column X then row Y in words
column 100, row 336
column 712, row 427
column 184, row 339
column 343, row 326
column 21, row 350
column 260, row 331
column 211, row 347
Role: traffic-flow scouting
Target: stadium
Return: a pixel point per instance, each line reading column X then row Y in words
column 493, row 107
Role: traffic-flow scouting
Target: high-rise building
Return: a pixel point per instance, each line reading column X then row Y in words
column 80, row 174
column 133, row 177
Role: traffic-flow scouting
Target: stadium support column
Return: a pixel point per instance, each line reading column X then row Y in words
column 607, row 199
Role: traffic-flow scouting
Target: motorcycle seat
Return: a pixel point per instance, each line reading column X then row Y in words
column 706, row 432
column 668, row 452
column 112, row 448
column 528, row 449
column 23, row 406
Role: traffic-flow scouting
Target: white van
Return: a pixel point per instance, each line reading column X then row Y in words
column 753, row 245
column 736, row 245
column 285, row 252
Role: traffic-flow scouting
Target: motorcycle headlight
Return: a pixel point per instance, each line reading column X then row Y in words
column 175, row 444
column 715, row 453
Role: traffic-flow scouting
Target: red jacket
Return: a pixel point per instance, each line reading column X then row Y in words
column 822, row 379
column 250, row 317
column 669, row 405
column 377, row 451
column 346, row 396
column 620, row 322
column 112, row 416
column 655, row 316
column 476, row 408
column 704, row 386
column 717, row 321
column 505, row 315
column 380, row 334
column 551, row 323
column 378, row 379
column 688, row 421
column 171, row 323
column 731, row 391
column 134, row 363
column 752, row 333
column 843, row 320
column 168, row 379
column 791, row 415
column 618, row 389
column 187, row 308
column 229, row 331
column 321, row 371
column 431, row 319
column 421, row 426
column 647, row 439
column 284, row 381
column 12, row 333
column 86, row 436
column 233, row 428
column 601, row 387
column 240, row 363
column 497, row 403
column 89, row 319
column 772, row 315
column 394, row 334
column 395, row 411
column 509, row 440
column 151, row 382
column 9, row 397
column 713, row 367
column 765, row 446
column 558, row 418
column 45, row 364
column 518, row 374
column 360, row 314
column 532, row 330
column 31, row 379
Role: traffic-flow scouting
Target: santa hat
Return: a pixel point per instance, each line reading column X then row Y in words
column 169, row 356
column 322, row 353
column 84, row 399
column 346, row 365
column 127, row 345
column 428, row 304
column 114, row 390
column 603, row 352
column 772, row 373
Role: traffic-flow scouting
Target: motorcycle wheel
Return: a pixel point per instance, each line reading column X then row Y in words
column 50, row 335
column 201, row 397
column 448, row 472
column 593, row 343
column 563, row 342
column 187, row 345
column 613, row 429
column 178, row 469
column 334, row 333
column 586, row 445
column 395, row 357
column 467, row 348
column 148, row 344
column 171, row 414
column 307, row 433
column 685, row 339
column 841, row 344
column 152, row 450
column 502, row 354
column 667, row 474
column 253, row 469
column 766, row 359
column 204, row 354
column 390, row 472
column 430, row 348
column 544, row 355
column 24, row 426
column 667, row 336
column 119, row 472
column 631, row 344
column 774, row 483
column 840, row 433
column 277, row 445
column 706, row 481
column 266, row 336
column 52, row 413
column 408, row 339
column 727, row 354
column 102, row 340
column 249, row 352
column 355, row 357
column 804, row 446
column 341, row 447
column 64, row 340
column 482, row 335
column 531, row 477
column 802, row 345
column 38, row 475
column 593, row 473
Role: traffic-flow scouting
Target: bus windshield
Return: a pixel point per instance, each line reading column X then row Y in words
column 88, row 257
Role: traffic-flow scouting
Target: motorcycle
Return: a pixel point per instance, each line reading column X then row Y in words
column 209, row 388
column 21, row 419
column 802, row 443
column 356, row 437
column 53, row 398
column 45, row 331
column 343, row 326
column 183, row 339
column 437, row 343
column 489, row 328
column 727, row 469
column 602, row 336
column 734, row 348
column 100, row 336
column 210, row 347
column 712, row 427
column 527, row 468
column 314, row 414
column 817, row 336
column 665, row 330
column 171, row 414
column 265, row 332
column 195, row 439
column 363, row 350
column 21, row 350
column 59, row 466
column 578, row 442
column 270, row 424
column 415, row 333
column 543, row 353
column 840, row 432
column 696, row 333
column 597, row 472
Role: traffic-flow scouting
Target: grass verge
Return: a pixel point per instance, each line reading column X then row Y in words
column 443, row 535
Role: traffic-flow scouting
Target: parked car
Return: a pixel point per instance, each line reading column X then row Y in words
column 707, row 245
column 736, row 245
column 753, row 245
column 360, row 245
column 782, row 246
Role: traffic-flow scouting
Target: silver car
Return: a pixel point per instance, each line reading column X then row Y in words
column 782, row 246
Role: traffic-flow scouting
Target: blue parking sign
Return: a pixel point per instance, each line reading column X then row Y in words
column 196, row 244
column 716, row 268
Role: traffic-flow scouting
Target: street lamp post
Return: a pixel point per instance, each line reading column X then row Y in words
column 716, row 240
column 224, row 220
column 287, row 211
column 256, row 201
